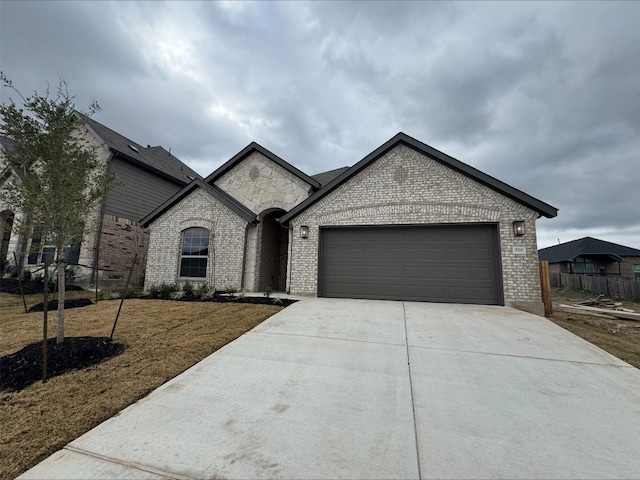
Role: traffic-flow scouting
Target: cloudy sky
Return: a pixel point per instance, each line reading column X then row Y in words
column 544, row 96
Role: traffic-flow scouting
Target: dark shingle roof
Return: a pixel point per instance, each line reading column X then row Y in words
column 566, row 252
column 424, row 149
column 212, row 190
column 254, row 147
column 7, row 143
column 326, row 177
column 156, row 159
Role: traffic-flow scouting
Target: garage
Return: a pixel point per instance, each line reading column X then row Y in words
column 434, row 263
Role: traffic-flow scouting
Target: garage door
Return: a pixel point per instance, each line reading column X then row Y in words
column 454, row 263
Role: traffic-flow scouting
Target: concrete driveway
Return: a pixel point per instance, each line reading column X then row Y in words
column 374, row 389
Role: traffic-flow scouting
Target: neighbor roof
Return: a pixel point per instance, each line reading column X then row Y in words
column 7, row 143
column 254, row 147
column 403, row 139
column 156, row 159
column 587, row 246
column 212, row 190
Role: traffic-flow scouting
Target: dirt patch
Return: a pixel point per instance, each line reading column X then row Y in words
column 24, row 367
column 619, row 337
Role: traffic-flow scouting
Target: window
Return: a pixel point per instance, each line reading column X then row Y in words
column 46, row 253
column 583, row 265
column 636, row 270
column 195, row 250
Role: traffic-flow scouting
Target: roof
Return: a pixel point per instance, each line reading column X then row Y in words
column 212, row 190
column 403, row 139
column 326, row 177
column 7, row 143
column 254, row 147
column 587, row 246
column 156, row 159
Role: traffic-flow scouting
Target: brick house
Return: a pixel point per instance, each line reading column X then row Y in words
column 147, row 176
column 407, row 222
column 590, row 256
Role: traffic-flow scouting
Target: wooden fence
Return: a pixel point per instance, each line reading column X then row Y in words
column 614, row 287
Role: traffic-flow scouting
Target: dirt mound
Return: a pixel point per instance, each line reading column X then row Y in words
column 24, row 367
column 53, row 304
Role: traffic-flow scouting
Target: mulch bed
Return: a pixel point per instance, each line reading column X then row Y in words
column 53, row 304
column 24, row 367
column 278, row 302
column 282, row 302
column 29, row 287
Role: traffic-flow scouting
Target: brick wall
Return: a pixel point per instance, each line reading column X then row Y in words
column 226, row 242
column 405, row 187
column 121, row 240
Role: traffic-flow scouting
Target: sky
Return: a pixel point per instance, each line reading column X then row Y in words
column 544, row 96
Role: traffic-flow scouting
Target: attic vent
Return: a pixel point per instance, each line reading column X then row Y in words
column 133, row 148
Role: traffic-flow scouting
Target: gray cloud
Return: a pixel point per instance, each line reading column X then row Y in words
column 540, row 95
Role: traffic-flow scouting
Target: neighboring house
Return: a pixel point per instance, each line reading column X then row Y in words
column 590, row 256
column 407, row 222
column 146, row 177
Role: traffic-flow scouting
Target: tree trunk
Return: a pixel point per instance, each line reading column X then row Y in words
column 61, row 295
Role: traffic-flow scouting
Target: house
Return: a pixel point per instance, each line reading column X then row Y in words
column 590, row 256
column 407, row 222
column 146, row 177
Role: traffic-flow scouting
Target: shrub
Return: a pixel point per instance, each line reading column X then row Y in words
column 231, row 290
column 166, row 289
column 268, row 291
column 187, row 289
column 176, row 295
column 201, row 291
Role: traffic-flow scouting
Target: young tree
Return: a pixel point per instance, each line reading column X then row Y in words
column 62, row 178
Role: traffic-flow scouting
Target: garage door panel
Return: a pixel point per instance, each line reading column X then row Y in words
column 453, row 263
column 470, row 274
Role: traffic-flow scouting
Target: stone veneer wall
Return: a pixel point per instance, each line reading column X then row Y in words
column 226, row 242
column 261, row 185
column 406, row 187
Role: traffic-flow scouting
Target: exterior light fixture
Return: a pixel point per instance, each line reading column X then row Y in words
column 518, row 228
column 304, row 231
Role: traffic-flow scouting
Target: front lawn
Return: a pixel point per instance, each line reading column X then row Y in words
column 161, row 339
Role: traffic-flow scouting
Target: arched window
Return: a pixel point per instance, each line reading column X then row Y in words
column 195, row 250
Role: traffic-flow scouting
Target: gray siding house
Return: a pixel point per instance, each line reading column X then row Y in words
column 407, row 222
column 147, row 177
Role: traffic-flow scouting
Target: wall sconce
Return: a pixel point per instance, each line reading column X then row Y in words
column 518, row 228
column 304, row 231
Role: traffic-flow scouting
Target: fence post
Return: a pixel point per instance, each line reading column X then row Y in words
column 545, row 287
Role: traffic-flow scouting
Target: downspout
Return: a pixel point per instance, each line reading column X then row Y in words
column 252, row 224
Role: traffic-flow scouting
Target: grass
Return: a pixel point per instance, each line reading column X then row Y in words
column 162, row 339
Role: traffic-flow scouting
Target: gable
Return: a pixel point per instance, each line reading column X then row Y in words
column 446, row 161
column 260, row 183
column 198, row 189
column 405, row 186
